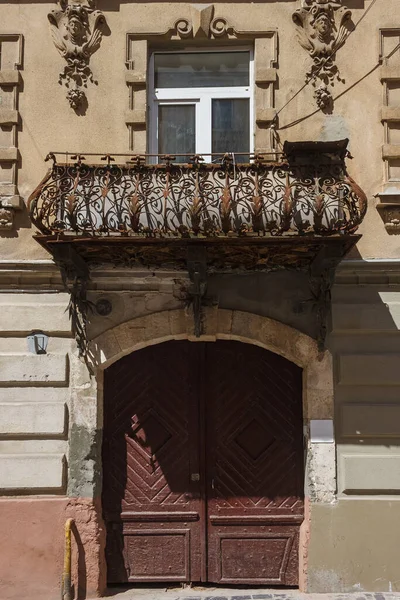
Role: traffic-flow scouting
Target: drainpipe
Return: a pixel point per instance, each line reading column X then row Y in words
column 66, row 584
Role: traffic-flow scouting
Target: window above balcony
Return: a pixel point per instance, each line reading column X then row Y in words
column 201, row 102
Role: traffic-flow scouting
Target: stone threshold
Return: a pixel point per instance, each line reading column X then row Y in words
column 212, row 593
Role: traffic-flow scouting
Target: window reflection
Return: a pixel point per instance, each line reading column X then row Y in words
column 231, row 127
column 201, row 69
column 176, row 130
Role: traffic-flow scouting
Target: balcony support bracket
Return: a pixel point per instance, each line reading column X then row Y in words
column 321, row 277
column 75, row 275
column 197, row 290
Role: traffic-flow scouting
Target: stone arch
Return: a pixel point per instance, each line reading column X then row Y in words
column 246, row 327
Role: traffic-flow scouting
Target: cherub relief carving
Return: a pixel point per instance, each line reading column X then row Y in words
column 77, row 30
column 322, row 28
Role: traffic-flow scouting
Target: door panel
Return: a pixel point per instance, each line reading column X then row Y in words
column 254, row 465
column 151, row 494
column 202, row 460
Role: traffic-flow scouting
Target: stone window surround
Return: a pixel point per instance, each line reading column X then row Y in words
column 10, row 79
column 133, row 335
column 389, row 199
column 201, row 24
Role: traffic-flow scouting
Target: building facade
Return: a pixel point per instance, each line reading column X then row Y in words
column 199, row 348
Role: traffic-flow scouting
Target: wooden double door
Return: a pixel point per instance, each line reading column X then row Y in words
column 203, row 465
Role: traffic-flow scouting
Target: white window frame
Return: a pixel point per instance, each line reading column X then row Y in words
column 202, row 98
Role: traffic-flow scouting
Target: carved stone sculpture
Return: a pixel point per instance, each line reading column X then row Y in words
column 6, row 218
column 77, row 30
column 322, row 28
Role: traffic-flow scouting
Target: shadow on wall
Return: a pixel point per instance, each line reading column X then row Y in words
column 365, row 317
column 285, row 296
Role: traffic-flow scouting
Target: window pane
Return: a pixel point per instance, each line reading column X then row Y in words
column 176, row 130
column 201, row 69
column 231, row 127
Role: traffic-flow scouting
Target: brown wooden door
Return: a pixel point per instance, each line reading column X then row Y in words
column 202, row 465
column 151, row 498
column 254, row 465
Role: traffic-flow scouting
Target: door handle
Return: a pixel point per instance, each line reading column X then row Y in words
column 212, row 484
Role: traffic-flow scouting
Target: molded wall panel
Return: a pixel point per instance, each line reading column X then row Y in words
column 40, row 369
column 26, row 312
column 29, row 418
column 32, row 471
column 369, row 473
column 369, row 369
column 367, row 317
column 369, row 420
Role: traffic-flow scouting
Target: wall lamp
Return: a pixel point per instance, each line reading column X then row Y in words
column 37, row 342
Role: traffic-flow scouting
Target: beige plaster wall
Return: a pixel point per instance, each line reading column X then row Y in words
column 48, row 123
column 354, row 546
column 354, row 540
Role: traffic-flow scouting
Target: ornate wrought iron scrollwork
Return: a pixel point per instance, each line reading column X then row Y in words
column 197, row 199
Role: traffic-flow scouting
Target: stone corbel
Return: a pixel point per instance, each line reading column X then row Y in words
column 389, row 209
column 322, row 28
column 9, row 204
column 75, row 276
column 196, row 296
column 77, row 30
column 197, row 290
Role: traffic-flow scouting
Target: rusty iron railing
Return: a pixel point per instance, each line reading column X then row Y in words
column 197, row 199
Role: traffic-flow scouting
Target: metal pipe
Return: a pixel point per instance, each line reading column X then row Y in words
column 66, row 584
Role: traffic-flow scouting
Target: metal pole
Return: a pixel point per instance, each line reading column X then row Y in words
column 66, row 585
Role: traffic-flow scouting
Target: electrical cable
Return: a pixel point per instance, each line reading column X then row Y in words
column 300, row 119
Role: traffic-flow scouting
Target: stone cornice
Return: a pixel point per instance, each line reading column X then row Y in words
column 44, row 275
column 385, row 271
column 30, row 276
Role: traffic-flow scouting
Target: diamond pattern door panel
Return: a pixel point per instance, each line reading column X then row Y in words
column 202, row 465
column 254, row 465
column 151, row 501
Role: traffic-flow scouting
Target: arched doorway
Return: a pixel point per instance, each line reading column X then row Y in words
column 203, row 464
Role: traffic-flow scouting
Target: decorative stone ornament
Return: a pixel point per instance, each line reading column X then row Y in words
column 6, row 218
column 103, row 307
column 77, row 30
column 322, row 28
column 389, row 209
column 201, row 15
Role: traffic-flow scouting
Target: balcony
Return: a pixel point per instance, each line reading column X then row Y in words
column 274, row 211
